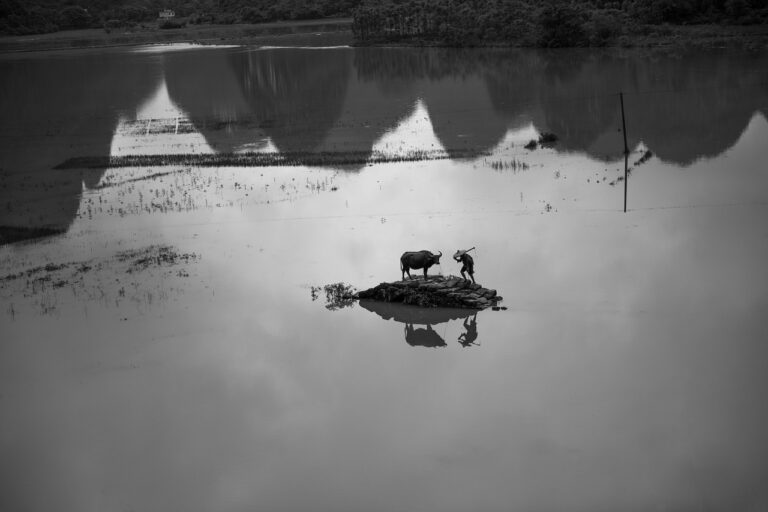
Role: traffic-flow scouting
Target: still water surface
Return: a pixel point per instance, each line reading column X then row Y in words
column 626, row 374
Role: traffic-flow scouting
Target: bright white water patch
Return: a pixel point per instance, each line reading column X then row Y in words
column 260, row 146
column 414, row 133
column 159, row 105
column 176, row 47
column 159, row 127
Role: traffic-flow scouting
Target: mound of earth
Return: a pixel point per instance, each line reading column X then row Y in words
column 434, row 292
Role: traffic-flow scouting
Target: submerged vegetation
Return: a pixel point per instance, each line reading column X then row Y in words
column 250, row 159
column 142, row 276
column 337, row 295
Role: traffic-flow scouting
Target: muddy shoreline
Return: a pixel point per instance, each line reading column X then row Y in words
column 330, row 32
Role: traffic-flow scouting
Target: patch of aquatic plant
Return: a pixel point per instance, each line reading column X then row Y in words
column 253, row 159
column 147, row 191
column 337, row 295
column 513, row 165
column 163, row 255
column 144, row 277
column 647, row 155
column 106, row 183
column 49, row 267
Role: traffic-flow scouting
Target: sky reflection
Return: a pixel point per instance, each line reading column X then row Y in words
column 626, row 373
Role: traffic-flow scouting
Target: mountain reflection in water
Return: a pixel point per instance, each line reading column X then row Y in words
column 681, row 107
column 51, row 108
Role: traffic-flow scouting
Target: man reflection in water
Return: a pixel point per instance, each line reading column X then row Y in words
column 467, row 339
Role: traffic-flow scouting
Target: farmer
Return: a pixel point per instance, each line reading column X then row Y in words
column 468, row 264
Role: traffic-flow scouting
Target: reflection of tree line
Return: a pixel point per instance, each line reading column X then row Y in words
column 49, row 108
column 576, row 23
column 682, row 108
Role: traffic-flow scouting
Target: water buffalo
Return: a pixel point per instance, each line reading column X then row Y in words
column 417, row 260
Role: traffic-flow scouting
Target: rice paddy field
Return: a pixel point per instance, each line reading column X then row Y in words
column 178, row 223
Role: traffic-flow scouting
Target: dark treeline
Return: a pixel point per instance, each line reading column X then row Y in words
column 555, row 23
column 39, row 16
column 449, row 22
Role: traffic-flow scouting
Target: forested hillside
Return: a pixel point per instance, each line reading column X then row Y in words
column 535, row 23
column 449, row 22
column 38, row 16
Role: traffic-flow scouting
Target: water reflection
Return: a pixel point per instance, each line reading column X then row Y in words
column 428, row 317
column 681, row 107
column 423, row 337
column 51, row 109
column 468, row 337
column 296, row 95
column 205, row 87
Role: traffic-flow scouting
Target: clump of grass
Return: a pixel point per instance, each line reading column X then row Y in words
column 337, row 295
column 513, row 165
column 253, row 159
column 154, row 256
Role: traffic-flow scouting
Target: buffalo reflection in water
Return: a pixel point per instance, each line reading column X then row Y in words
column 414, row 315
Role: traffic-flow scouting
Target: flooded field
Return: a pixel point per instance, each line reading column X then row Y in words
column 181, row 228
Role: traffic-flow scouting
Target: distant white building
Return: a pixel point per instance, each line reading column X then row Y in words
column 166, row 14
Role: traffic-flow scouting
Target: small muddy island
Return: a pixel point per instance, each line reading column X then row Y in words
column 433, row 292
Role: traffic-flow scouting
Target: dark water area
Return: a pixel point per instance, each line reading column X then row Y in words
column 420, row 325
column 683, row 107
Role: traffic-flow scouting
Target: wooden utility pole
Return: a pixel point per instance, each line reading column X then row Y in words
column 626, row 149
